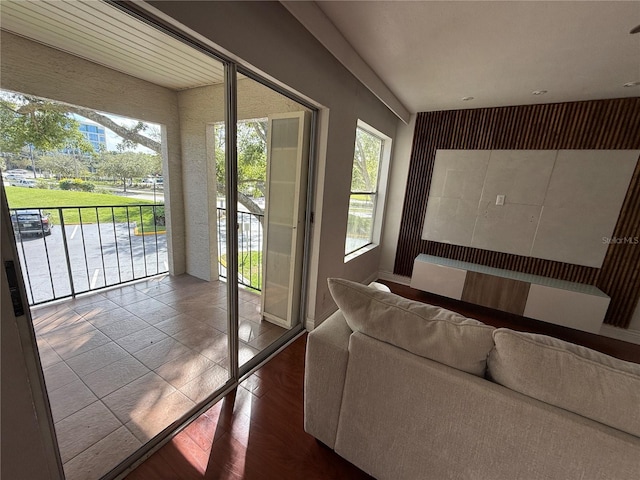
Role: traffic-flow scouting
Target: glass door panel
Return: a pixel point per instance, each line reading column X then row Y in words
column 273, row 155
column 132, row 358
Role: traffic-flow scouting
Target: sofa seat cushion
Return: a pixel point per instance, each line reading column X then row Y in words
column 568, row 376
column 425, row 330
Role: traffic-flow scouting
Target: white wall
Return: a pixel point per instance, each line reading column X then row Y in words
column 266, row 36
column 34, row 69
column 200, row 108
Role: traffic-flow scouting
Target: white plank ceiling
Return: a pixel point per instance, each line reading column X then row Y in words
column 101, row 33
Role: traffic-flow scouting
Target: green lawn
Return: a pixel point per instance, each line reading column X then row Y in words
column 19, row 197
column 249, row 266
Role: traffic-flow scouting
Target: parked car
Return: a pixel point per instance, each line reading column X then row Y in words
column 31, row 222
column 12, row 176
column 158, row 181
column 19, row 171
column 23, row 182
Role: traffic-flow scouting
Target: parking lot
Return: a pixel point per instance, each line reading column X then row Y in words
column 97, row 257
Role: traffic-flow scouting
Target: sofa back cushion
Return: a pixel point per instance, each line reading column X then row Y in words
column 568, row 376
column 425, row 330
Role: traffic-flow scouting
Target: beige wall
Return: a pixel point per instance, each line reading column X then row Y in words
column 31, row 68
column 267, row 37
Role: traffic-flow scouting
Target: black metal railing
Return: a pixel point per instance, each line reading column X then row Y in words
column 65, row 251
column 250, row 239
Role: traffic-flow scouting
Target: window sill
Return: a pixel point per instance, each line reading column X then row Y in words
column 360, row 251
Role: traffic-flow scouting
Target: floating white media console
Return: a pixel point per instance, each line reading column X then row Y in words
column 570, row 304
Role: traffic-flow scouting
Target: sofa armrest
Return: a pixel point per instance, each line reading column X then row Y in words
column 325, row 372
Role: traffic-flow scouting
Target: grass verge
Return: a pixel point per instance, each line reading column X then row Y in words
column 249, row 266
column 103, row 208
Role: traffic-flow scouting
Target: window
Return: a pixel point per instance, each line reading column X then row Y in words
column 365, row 174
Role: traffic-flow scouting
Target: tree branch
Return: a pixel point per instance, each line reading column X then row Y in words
column 250, row 180
column 261, row 131
column 6, row 106
column 124, row 132
column 247, row 202
column 362, row 165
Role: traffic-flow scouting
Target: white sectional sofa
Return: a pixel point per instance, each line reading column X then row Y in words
column 405, row 390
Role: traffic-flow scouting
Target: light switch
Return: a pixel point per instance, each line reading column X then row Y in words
column 500, row 200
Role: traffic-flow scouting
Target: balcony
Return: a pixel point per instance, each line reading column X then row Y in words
column 122, row 364
column 127, row 349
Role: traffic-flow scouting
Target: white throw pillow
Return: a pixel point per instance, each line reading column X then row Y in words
column 422, row 329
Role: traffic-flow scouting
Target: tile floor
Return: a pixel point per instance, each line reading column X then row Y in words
column 122, row 364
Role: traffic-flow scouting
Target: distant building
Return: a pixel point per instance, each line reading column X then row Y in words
column 94, row 134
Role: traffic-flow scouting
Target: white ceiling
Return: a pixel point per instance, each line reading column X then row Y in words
column 103, row 34
column 429, row 54
column 432, row 54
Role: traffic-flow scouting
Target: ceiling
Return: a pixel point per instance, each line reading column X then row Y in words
column 431, row 54
column 103, row 34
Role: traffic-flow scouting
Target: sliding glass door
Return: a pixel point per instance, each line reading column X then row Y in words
column 271, row 180
column 226, row 197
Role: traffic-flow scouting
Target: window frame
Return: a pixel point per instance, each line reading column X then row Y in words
column 379, row 194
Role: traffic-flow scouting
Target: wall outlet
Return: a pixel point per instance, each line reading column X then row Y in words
column 500, row 200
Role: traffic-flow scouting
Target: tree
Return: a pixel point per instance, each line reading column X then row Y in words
column 252, row 162
column 62, row 165
column 252, row 139
column 126, row 166
column 36, row 124
column 366, row 161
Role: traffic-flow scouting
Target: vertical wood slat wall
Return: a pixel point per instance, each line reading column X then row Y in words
column 591, row 125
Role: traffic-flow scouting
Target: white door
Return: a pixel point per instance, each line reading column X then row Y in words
column 287, row 162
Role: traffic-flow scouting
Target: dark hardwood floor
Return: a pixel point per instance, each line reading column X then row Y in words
column 256, row 432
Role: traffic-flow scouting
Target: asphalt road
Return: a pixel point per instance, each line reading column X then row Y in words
column 97, row 258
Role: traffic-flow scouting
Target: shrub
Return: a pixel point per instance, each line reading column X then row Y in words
column 40, row 183
column 159, row 216
column 76, row 184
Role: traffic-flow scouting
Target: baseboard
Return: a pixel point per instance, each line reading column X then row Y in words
column 311, row 323
column 371, row 278
column 392, row 277
column 627, row 335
